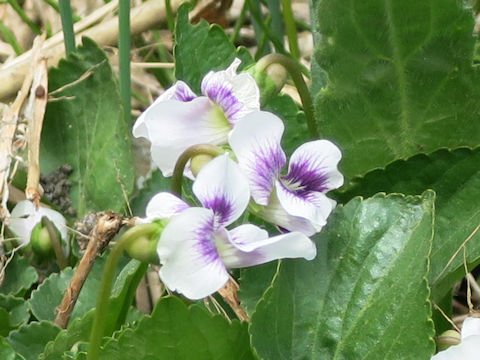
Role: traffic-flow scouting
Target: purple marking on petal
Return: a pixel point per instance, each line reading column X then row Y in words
column 221, row 206
column 205, row 236
column 222, row 94
column 183, row 94
column 304, row 177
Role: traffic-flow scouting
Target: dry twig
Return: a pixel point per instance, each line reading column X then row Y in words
column 229, row 294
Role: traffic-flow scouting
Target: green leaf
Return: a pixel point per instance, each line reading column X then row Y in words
column 174, row 331
column 16, row 307
column 5, row 325
column 87, row 130
column 19, row 277
column 155, row 184
column 368, row 282
column 30, row 340
column 6, row 351
column 401, row 79
column 201, row 48
column 455, row 177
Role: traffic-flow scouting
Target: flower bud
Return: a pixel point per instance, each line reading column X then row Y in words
column 41, row 242
column 144, row 246
column 447, row 339
column 270, row 81
column 198, row 162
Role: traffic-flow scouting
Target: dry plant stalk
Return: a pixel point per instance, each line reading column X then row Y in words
column 229, row 294
column 142, row 18
column 107, row 226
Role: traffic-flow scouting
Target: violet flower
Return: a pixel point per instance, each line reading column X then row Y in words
column 295, row 201
column 179, row 119
column 196, row 249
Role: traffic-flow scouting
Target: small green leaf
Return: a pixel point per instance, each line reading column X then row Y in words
column 17, row 308
column 30, row 340
column 174, row 331
column 5, row 324
column 86, row 129
column 368, row 282
column 455, row 177
column 400, row 78
column 6, row 351
column 19, row 277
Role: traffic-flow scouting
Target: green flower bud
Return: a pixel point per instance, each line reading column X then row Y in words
column 41, row 242
column 270, row 81
column 447, row 339
column 198, row 162
column 144, row 246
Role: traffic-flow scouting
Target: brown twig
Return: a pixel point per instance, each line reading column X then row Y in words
column 229, row 294
column 108, row 224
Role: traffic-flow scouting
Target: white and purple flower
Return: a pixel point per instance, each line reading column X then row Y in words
column 179, row 119
column 196, row 249
column 469, row 347
column 295, row 201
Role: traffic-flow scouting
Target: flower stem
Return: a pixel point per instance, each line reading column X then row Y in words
column 302, row 88
column 124, row 56
column 200, row 149
column 101, row 311
column 291, row 28
column 56, row 243
column 67, row 26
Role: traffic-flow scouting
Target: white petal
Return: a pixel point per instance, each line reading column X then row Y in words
column 178, row 91
column 222, row 187
column 190, row 261
column 173, row 126
column 471, row 326
column 250, row 245
column 238, row 95
column 256, row 143
column 164, row 205
column 25, row 217
column 313, row 166
column 468, row 349
column 313, row 206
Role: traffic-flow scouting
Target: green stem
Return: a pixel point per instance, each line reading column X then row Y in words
column 302, row 88
column 290, row 27
column 101, row 311
column 56, row 243
column 170, row 16
column 238, row 24
column 67, row 26
column 10, row 38
column 124, row 56
column 200, row 149
column 18, row 9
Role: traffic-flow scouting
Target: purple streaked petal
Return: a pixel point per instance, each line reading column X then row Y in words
column 179, row 91
column 173, row 126
column 256, row 142
column 190, row 261
column 223, row 188
column 250, row 245
column 164, row 205
column 237, row 95
column 313, row 206
column 313, row 167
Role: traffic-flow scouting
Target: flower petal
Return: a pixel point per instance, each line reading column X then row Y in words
column 164, row 205
column 471, row 326
column 313, row 167
column 25, row 217
column 256, row 143
column 173, row 126
column 313, row 206
column 238, row 95
column 223, row 188
column 191, row 264
column 250, row 245
column 179, row 91
column 468, row 349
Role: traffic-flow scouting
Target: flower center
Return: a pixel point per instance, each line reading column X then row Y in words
column 218, row 117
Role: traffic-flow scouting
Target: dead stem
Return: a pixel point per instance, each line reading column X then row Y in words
column 107, row 226
column 229, row 294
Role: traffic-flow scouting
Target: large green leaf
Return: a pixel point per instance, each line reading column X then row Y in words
column 30, row 340
column 400, row 78
column 87, row 130
column 19, row 276
column 17, row 309
column 364, row 296
column 174, row 331
column 455, row 177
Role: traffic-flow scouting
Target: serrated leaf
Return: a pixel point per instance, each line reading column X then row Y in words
column 30, row 340
column 400, row 78
column 19, row 277
column 87, row 130
column 174, row 331
column 364, row 296
column 17, row 309
column 455, row 177
column 6, row 351
column 192, row 60
column 5, row 325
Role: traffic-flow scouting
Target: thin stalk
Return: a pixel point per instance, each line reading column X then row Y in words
column 67, row 26
column 291, row 28
column 296, row 74
column 101, row 310
column 124, row 56
column 10, row 38
column 170, row 16
column 56, row 243
column 239, row 23
column 18, row 9
column 54, row 5
column 201, row 149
